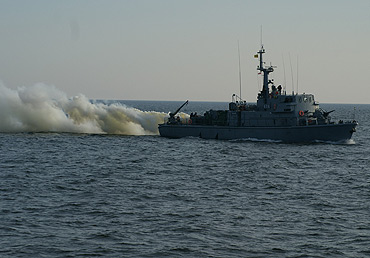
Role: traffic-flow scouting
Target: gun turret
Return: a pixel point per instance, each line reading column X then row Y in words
column 171, row 119
column 326, row 113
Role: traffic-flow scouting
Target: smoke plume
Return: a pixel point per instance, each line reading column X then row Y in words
column 42, row 108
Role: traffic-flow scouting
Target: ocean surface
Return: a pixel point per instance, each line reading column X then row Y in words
column 80, row 192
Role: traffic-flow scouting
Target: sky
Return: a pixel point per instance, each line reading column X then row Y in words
column 186, row 49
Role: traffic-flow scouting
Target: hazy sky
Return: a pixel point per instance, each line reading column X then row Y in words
column 186, row 49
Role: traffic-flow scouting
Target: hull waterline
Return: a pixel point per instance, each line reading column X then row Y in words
column 331, row 132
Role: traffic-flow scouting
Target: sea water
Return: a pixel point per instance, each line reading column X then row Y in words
column 115, row 192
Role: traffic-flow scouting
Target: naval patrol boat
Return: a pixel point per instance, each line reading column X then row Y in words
column 276, row 116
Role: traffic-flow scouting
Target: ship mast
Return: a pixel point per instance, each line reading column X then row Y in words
column 266, row 71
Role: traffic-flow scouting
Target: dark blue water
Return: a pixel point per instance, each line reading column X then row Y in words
column 94, row 195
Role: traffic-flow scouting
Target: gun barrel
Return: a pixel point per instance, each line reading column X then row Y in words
column 178, row 110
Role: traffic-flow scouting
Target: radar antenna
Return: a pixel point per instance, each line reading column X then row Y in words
column 240, row 74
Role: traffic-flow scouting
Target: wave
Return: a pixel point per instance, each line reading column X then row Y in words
column 43, row 108
column 341, row 142
column 256, row 140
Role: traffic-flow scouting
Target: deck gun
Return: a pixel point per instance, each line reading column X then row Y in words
column 172, row 119
column 326, row 113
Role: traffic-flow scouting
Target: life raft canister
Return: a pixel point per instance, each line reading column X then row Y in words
column 301, row 113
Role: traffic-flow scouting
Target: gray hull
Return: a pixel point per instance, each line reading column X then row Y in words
column 330, row 132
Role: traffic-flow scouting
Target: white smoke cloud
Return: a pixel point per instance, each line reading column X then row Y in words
column 43, row 108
